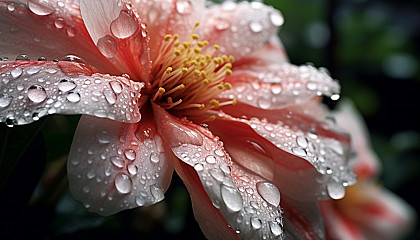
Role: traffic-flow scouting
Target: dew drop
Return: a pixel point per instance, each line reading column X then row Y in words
column 110, row 96
column 217, row 174
column 117, row 161
column 10, row 122
column 59, row 23
column 107, row 46
column 103, row 137
column 157, row 193
column 276, row 89
column 116, row 86
column 11, row 7
column 199, row 167
column 16, row 72
column 275, row 228
column 302, row 141
column 232, row 198
column 132, row 169
column 269, row 192
column 40, row 7
column 154, row 157
column 124, row 25
column 276, row 19
column 299, row 151
column 264, row 103
column 184, row 7
column 66, row 85
column 33, row 70
column 73, row 97
column 123, row 183
column 37, row 94
column 73, row 58
column 130, row 154
column 140, row 201
column 5, row 100
column 336, row 190
column 221, row 23
column 256, row 223
column 22, row 57
column 211, row 159
column 256, row 26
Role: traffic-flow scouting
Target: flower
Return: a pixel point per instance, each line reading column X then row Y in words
column 368, row 211
column 173, row 84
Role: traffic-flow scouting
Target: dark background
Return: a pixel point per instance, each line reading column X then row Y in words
column 371, row 46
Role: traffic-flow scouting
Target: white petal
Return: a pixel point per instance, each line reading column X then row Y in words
column 240, row 28
column 110, row 169
column 30, row 90
column 283, row 86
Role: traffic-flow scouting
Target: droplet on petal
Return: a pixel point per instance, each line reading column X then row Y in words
column 117, row 161
column 37, row 94
column 66, row 85
column 40, row 7
column 130, row 154
column 154, row 157
column 275, row 228
column 269, row 192
column 73, row 97
column 336, row 189
column 5, row 100
column 16, row 72
column 107, row 46
column 256, row 223
column 124, row 26
column 123, row 183
column 276, row 19
column 232, row 198
column 184, row 7
column 157, row 193
column 103, row 137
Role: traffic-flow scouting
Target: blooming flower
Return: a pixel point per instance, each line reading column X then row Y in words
column 173, row 84
column 368, row 211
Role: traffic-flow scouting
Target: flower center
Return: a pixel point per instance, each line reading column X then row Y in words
column 186, row 79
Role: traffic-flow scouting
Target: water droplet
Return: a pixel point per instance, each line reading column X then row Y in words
column 184, row 7
column 130, row 154
column 124, row 25
column 40, row 7
column 299, row 151
column 11, row 7
column 276, row 19
column 221, row 23
column 256, row 26
column 110, row 96
column 37, row 94
column 154, row 157
column 217, row 174
column 59, row 23
column 336, row 189
column 211, row 159
column 157, row 193
column 22, row 57
column 100, row 113
column 33, row 70
column 116, row 86
column 132, row 169
column 140, row 201
column 107, row 46
column 199, row 167
column 276, row 89
column 66, row 85
column 73, row 97
column 264, row 103
column 256, row 223
column 123, row 183
column 73, row 58
column 302, row 141
column 228, row 6
column 269, row 192
column 5, row 100
column 232, row 198
column 117, row 161
column 16, row 72
column 10, row 122
column 103, row 137
column 275, row 228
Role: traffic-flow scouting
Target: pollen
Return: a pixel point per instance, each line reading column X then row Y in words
column 188, row 74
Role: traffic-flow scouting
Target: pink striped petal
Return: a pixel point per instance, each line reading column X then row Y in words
column 50, row 29
column 113, row 166
column 31, row 90
column 119, row 34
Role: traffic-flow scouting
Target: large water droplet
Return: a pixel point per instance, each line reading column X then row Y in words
column 40, row 7
column 22, row 57
column 336, row 189
column 123, row 183
column 157, row 193
column 73, row 97
column 124, row 25
column 16, row 72
column 116, row 86
column 184, row 7
column 73, row 58
column 154, row 157
column 276, row 19
column 256, row 26
column 275, row 228
column 132, row 169
column 211, row 159
column 103, row 137
column 130, row 154
column 256, row 223
column 110, row 96
column 269, row 192
column 59, row 23
column 302, row 141
column 66, row 85
column 264, row 103
column 5, row 100
column 117, row 161
column 232, row 198
column 107, row 46
column 299, row 151
column 37, row 94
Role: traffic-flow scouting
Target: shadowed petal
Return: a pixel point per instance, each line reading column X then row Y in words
column 50, row 29
column 119, row 34
column 282, row 86
column 112, row 166
column 31, row 90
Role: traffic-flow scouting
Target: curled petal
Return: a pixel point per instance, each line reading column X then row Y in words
column 119, row 34
column 31, row 90
column 50, row 29
column 112, row 166
column 249, row 202
column 240, row 28
column 280, row 87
